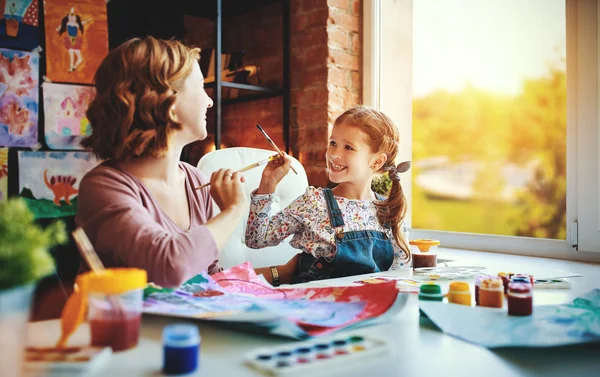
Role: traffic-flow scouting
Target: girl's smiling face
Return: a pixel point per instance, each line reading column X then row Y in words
column 349, row 156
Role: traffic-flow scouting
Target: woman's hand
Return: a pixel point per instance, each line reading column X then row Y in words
column 273, row 174
column 226, row 189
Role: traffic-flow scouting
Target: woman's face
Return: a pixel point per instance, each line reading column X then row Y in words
column 191, row 105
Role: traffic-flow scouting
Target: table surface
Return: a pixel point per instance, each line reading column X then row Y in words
column 417, row 350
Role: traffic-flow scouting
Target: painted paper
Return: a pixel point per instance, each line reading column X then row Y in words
column 65, row 122
column 76, row 39
column 241, row 299
column 49, row 181
column 3, row 173
column 19, row 24
column 549, row 326
column 19, row 98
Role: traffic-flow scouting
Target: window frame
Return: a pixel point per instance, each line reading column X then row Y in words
column 582, row 19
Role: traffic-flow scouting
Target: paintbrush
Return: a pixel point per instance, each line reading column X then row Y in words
column 274, row 145
column 254, row 165
column 73, row 314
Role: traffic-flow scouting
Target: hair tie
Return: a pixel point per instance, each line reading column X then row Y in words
column 394, row 171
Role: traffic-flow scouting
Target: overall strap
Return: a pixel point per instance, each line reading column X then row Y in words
column 335, row 215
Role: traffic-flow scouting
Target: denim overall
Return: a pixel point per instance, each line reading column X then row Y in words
column 357, row 252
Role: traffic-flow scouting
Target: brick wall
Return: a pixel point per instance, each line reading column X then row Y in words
column 325, row 75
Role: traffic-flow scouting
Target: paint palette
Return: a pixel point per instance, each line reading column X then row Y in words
column 316, row 355
column 447, row 272
column 551, row 284
column 72, row 361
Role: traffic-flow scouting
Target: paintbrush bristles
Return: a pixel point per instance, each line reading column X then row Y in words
column 87, row 250
column 274, row 145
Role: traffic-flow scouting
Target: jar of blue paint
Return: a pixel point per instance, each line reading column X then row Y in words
column 181, row 346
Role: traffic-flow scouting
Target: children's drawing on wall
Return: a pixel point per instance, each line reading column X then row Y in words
column 19, row 24
column 64, row 112
column 76, row 39
column 3, row 173
column 49, row 181
column 19, row 97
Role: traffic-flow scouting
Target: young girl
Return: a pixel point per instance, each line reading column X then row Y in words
column 347, row 230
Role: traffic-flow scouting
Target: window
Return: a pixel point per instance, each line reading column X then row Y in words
column 504, row 142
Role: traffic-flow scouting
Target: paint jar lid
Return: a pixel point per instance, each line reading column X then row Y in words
column 181, row 335
column 520, row 279
column 481, row 278
column 431, row 289
column 519, row 288
column 459, row 286
column 492, row 283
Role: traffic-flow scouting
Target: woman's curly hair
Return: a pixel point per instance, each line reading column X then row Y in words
column 136, row 85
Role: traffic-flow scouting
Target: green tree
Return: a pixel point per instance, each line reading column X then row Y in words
column 539, row 135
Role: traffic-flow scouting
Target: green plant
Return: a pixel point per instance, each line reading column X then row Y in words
column 24, row 256
column 382, row 184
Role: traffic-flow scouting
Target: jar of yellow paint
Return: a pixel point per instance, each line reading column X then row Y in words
column 459, row 293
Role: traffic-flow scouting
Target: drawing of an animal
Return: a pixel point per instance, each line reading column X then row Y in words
column 61, row 186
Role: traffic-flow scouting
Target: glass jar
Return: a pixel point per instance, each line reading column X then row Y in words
column 115, row 299
column 520, row 299
column 424, row 253
column 491, row 293
column 478, row 281
column 459, row 293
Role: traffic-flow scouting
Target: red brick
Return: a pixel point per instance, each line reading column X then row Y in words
column 312, row 78
column 340, row 4
column 313, row 97
column 339, row 76
column 345, row 21
column 314, row 118
column 356, row 81
column 356, row 7
column 312, row 38
column 345, row 60
column 356, row 44
column 317, row 56
column 299, row 22
column 339, row 37
column 318, row 17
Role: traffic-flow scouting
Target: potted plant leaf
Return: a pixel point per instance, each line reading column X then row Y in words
column 24, row 259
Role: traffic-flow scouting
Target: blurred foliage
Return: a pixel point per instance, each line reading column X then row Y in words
column 24, row 256
column 474, row 125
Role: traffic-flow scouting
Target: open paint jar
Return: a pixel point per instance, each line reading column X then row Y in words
column 113, row 299
column 424, row 253
column 115, row 307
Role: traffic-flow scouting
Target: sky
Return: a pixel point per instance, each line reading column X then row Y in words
column 489, row 44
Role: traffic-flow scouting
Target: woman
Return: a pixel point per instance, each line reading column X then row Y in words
column 140, row 207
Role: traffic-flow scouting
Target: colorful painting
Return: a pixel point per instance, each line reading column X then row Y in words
column 3, row 173
column 19, row 24
column 64, row 114
column 49, row 181
column 241, row 299
column 19, row 98
column 76, row 39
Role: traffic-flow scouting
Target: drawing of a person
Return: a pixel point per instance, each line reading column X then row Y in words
column 73, row 40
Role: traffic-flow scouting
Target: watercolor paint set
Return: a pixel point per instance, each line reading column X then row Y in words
column 315, row 355
column 71, row 361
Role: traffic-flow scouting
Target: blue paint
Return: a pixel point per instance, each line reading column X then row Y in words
column 181, row 349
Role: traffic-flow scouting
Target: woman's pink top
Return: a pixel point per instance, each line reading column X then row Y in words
column 128, row 228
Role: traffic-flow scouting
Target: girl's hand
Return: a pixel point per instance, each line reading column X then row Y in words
column 226, row 189
column 273, row 174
